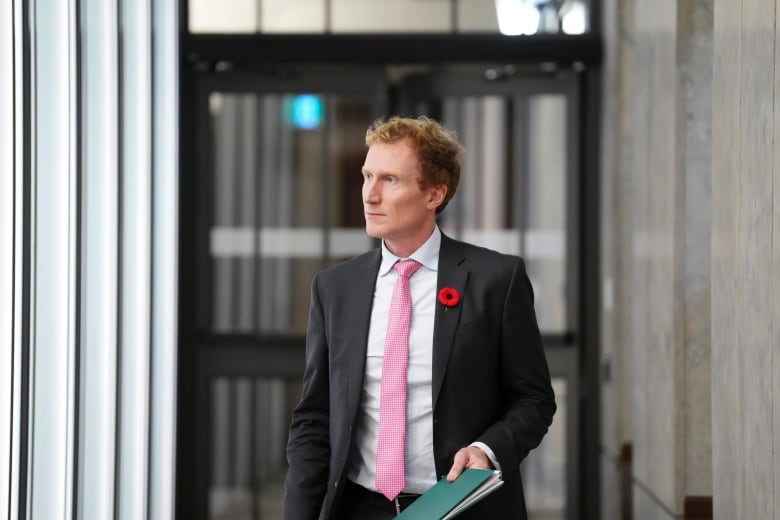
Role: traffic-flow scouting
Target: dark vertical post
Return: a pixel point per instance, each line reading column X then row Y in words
column 590, row 273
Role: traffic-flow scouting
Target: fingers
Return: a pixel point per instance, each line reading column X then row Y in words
column 458, row 463
column 470, row 457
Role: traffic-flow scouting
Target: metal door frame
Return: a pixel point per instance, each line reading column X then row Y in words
column 200, row 75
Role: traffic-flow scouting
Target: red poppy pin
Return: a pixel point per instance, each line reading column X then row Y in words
column 449, row 296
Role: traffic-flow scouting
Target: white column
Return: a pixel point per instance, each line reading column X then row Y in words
column 99, row 261
column 165, row 169
column 52, row 259
column 135, row 277
column 97, row 143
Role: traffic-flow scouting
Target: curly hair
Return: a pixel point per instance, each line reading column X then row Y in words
column 438, row 150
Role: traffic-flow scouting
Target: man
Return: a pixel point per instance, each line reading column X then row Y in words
column 456, row 322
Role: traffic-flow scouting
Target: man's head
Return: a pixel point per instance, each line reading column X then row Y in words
column 438, row 151
column 410, row 173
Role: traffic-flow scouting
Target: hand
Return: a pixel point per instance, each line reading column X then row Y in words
column 469, row 457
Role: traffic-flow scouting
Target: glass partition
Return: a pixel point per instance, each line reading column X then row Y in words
column 513, row 192
column 282, row 199
column 287, row 197
column 286, row 203
column 250, row 417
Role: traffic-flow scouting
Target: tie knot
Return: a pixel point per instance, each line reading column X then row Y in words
column 406, row 268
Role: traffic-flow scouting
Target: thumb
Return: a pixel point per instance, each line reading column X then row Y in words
column 459, row 462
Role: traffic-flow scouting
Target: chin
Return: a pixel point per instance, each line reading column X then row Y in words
column 373, row 232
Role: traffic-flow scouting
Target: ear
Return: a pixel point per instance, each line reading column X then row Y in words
column 436, row 196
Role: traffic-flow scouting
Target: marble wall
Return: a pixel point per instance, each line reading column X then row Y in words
column 746, row 260
column 656, row 224
column 691, row 256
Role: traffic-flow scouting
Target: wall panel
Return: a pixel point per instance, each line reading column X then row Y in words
column 755, row 234
column 726, row 169
column 775, row 277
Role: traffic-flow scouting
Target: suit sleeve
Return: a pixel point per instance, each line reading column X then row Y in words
column 308, row 446
column 529, row 403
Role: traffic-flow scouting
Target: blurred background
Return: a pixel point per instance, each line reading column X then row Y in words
column 173, row 174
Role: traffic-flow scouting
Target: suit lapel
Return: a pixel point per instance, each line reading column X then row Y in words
column 454, row 274
column 357, row 320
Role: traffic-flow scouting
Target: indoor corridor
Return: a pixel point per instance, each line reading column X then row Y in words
column 173, row 173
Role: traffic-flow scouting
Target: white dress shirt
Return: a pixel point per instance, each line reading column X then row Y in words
column 420, row 466
column 419, row 462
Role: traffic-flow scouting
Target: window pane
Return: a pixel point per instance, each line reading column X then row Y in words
column 223, row 16
column 377, row 16
column 511, row 17
column 512, row 193
column 545, row 237
column 300, row 16
column 286, row 203
column 249, row 422
column 544, row 470
column 477, row 16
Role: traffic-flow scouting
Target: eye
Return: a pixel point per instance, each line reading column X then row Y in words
column 390, row 179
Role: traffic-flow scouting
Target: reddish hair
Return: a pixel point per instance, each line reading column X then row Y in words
column 438, row 150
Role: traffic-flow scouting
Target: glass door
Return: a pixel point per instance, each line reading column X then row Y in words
column 277, row 188
column 519, row 194
column 279, row 199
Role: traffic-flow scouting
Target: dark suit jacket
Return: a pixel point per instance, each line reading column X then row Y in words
column 490, row 377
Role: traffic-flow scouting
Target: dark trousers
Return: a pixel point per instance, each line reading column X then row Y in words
column 359, row 503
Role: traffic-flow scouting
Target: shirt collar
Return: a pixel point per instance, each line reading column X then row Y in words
column 427, row 254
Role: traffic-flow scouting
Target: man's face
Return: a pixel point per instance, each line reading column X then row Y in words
column 395, row 207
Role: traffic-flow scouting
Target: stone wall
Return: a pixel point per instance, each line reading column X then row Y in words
column 691, row 258
column 656, row 256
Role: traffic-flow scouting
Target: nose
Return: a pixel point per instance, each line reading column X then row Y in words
column 370, row 192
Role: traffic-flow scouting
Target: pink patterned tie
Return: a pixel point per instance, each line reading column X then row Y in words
column 392, row 405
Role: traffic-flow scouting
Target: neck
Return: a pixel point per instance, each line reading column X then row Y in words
column 405, row 248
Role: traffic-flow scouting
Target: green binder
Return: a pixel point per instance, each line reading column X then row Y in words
column 447, row 499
